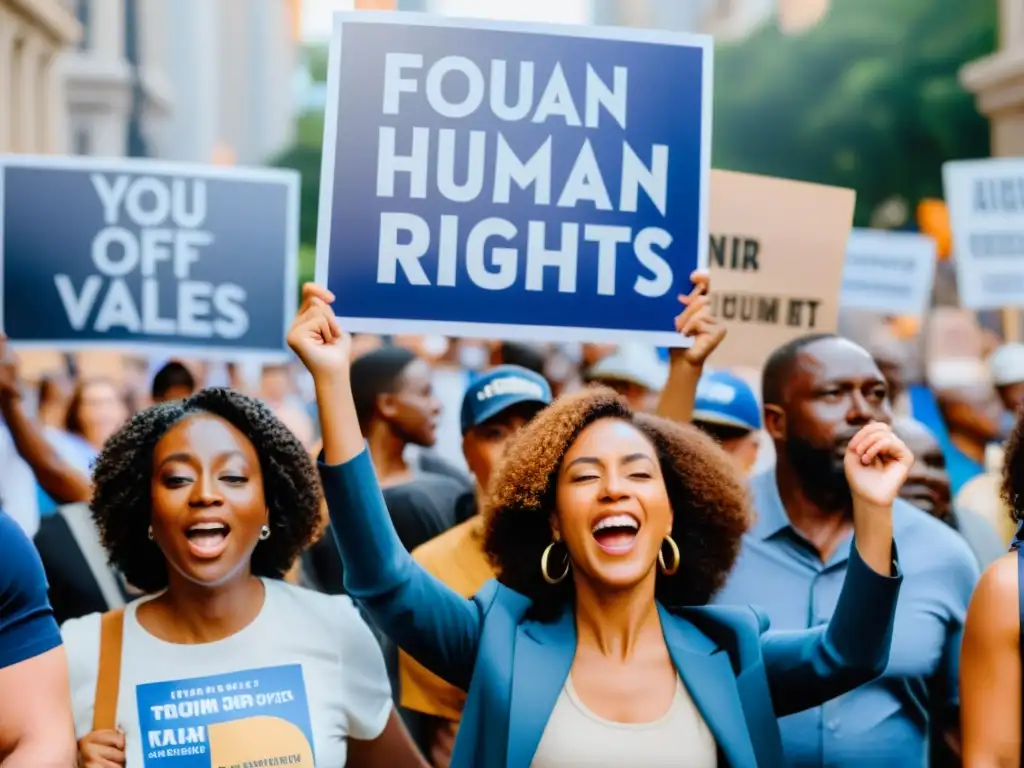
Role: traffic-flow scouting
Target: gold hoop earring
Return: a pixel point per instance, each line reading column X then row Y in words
column 544, row 565
column 666, row 569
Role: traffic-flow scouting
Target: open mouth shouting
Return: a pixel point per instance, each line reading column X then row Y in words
column 208, row 539
column 615, row 534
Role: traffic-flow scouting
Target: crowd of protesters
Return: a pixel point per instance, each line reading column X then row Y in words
column 509, row 554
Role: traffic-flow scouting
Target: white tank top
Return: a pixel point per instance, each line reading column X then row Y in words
column 577, row 738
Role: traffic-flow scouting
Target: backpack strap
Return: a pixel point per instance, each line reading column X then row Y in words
column 87, row 537
column 108, row 675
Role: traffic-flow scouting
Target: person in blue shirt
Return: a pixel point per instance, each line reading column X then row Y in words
column 820, row 391
column 610, row 531
column 36, row 726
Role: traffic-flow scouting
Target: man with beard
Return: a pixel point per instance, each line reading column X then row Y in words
column 818, row 392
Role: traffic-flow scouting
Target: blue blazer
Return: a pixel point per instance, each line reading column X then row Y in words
column 740, row 676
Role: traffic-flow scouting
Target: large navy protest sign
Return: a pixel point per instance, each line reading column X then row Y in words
column 986, row 213
column 123, row 253
column 521, row 181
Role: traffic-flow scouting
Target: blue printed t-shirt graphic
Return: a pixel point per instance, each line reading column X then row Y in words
column 148, row 257
column 514, row 177
column 255, row 717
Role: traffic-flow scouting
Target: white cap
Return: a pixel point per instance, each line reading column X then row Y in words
column 957, row 373
column 633, row 363
column 1006, row 364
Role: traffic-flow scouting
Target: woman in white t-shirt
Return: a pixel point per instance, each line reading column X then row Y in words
column 204, row 504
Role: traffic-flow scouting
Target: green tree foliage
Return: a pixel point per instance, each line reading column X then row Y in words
column 306, row 160
column 307, row 263
column 868, row 99
column 316, row 58
column 305, row 157
column 310, row 130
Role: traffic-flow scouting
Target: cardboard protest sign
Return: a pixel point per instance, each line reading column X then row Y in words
column 986, row 211
column 134, row 254
column 888, row 272
column 513, row 180
column 776, row 261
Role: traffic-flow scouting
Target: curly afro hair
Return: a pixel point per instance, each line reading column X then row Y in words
column 709, row 500
column 121, row 503
column 1013, row 470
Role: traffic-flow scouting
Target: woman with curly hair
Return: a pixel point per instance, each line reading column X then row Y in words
column 205, row 503
column 610, row 531
column 991, row 693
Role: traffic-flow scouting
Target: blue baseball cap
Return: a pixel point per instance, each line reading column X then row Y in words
column 725, row 399
column 499, row 389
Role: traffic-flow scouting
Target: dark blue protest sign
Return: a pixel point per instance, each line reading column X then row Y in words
column 520, row 181
column 137, row 254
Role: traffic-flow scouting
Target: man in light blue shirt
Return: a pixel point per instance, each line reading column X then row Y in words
column 818, row 392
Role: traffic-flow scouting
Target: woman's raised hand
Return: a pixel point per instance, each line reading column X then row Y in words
column 697, row 322
column 317, row 338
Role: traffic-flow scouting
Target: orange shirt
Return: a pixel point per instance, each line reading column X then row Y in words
column 457, row 559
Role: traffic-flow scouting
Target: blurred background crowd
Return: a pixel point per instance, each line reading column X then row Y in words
column 861, row 94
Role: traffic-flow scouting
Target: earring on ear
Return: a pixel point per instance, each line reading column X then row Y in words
column 149, row 533
column 545, row 557
column 264, row 533
column 669, row 570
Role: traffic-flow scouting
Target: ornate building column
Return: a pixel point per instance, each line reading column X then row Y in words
column 8, row 28
column 997, row 81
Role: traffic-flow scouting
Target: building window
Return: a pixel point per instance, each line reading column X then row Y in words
column 82, row 12
column 82, row 141
column 137, row 145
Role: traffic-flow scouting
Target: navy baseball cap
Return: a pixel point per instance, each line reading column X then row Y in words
column 725, row 399
column 499, row 389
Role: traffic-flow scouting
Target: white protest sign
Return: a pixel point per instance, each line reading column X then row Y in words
column 986, row 214
column 888, row 272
